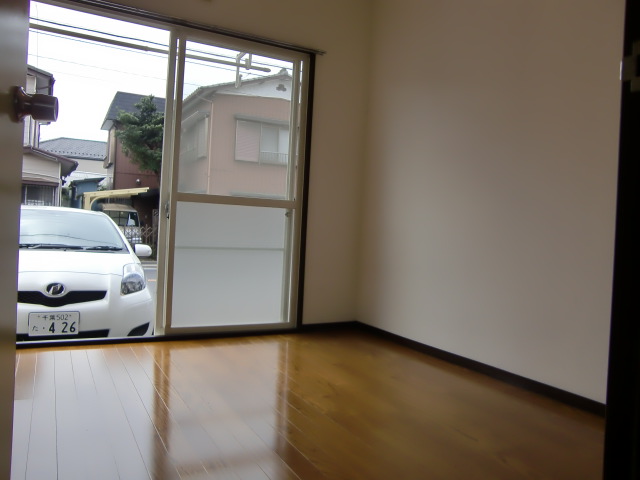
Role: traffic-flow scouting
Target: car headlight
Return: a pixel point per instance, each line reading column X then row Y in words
column 132, row 279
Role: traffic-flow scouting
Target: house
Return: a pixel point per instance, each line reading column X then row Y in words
column 464, row 155
column 90, row 173
column 123, row 173
column 81, row 186
column 235, row 138
column 222, row 152
column 43, row 172
column 90, row 155
column 38, row 81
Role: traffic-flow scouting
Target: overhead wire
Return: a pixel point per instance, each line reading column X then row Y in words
column 114, row 35
column 124, row 72
column 134, row 39
column 72, row 34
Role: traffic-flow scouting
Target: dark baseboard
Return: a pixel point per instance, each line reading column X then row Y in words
column 554, row 393
column 328, row 327
column 568, row 398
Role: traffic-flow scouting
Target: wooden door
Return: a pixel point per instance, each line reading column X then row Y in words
column 13, row 51
column 622, row 439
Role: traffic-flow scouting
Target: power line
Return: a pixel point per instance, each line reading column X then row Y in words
column 135, row 39
column 114, row 35
column 75, row 74
column 199, row 62
column 106, row 43
column 124, row 72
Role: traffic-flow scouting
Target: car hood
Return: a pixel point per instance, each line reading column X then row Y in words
column 98, row 263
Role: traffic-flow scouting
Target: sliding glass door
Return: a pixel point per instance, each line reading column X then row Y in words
column 231, row 202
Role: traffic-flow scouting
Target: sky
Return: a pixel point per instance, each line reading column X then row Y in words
column 88, row 75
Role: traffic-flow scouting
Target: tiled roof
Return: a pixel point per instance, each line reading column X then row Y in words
column 231, row 88
column 75, row 148
column 124, row 101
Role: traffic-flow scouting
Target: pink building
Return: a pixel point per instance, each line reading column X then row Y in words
column 235, row 139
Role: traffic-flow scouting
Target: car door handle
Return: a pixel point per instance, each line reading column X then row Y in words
column 41, row 107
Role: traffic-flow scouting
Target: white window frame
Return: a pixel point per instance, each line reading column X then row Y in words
column 295, row 200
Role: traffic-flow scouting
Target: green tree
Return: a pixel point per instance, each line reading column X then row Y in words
column 140, row 134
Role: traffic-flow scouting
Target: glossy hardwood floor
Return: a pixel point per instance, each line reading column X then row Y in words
column 323, row 405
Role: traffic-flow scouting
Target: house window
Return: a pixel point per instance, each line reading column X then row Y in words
column 43, row 195
column 262, row 142
column 194, row 141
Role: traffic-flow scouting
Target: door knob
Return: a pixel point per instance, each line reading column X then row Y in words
column 40, row 107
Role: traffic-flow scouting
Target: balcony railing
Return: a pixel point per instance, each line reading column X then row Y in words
column 274, row 157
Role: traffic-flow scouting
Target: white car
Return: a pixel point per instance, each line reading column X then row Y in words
column 78, row 277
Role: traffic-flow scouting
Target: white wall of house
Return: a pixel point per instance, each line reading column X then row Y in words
column 88, row 168
column 490, row 182
column 36, row 169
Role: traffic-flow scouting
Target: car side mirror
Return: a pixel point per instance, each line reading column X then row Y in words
column 142, row 250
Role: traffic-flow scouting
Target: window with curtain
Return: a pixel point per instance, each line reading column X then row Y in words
column 262, row 142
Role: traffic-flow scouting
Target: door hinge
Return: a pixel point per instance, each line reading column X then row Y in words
column 167, row 209
column 630, row 71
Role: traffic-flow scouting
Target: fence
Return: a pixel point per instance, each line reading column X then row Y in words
column 150, row 236
column 147, row 235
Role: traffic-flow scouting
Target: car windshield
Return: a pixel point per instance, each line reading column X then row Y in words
column 69, row 230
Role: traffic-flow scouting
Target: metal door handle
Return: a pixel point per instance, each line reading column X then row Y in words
column 40, row 107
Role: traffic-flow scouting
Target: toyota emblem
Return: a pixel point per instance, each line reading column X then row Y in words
column 55, row 289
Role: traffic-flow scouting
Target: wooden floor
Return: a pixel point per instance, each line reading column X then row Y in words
column 322, row 405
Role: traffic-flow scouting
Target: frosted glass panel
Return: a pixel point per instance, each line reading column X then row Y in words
column 228, row 265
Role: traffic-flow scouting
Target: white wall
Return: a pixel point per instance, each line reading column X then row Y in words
column 490, row 189
column 341, row 29
column 89, row 168
column 490, row 180
column 35, row 168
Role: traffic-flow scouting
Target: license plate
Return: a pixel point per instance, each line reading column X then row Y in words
column 60, row 323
